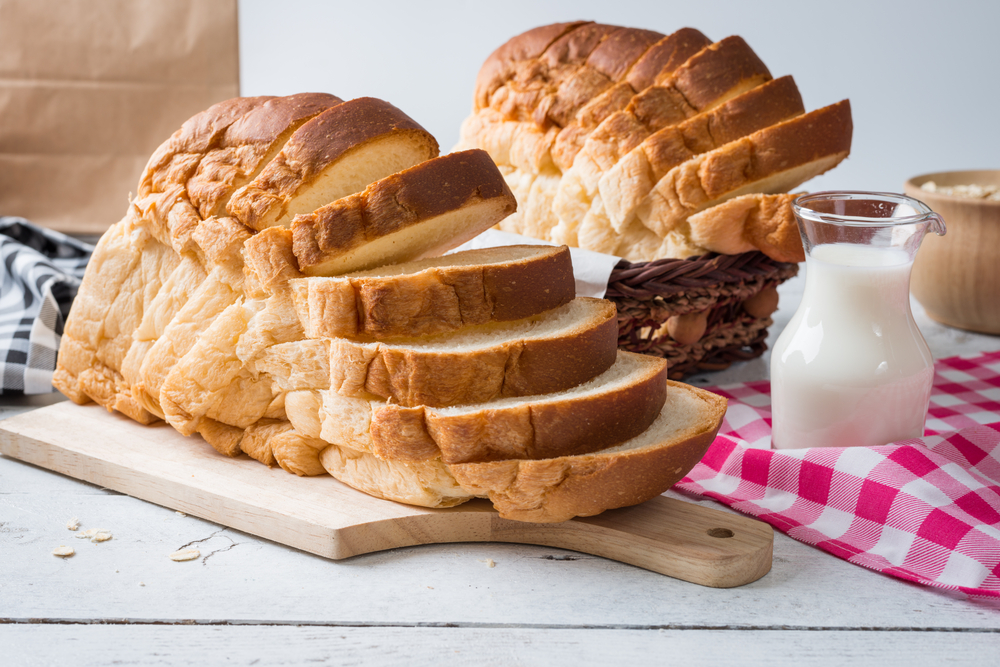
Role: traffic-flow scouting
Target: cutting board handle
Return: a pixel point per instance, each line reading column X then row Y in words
column 679, row 539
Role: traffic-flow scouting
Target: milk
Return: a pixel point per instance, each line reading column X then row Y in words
column 851, row 368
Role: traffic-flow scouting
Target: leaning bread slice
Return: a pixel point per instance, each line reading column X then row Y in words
column 624, row 180
column 751, row 222
column 773, row 160
column 423, row 211
column 710, row 77
column 437, row 294
column 335, row 154
column 558, row 489
column 539, row 355
column 616, row 405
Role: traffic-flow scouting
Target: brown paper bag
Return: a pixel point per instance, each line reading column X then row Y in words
column 89, row 88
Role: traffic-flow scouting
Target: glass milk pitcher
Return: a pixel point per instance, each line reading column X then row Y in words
column 851, row 368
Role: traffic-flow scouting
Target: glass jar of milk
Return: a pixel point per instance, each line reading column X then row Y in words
column 851, row 368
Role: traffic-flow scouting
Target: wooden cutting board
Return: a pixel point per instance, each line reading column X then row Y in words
column 324, row 517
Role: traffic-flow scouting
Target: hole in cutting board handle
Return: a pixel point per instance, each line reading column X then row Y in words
column 720, row 532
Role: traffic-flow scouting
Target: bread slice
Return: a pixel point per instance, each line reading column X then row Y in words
column 424, row 483
column 710, row 77
column 630, row 178
column 773, row 160
column 335, row 154
column 438, row 294
column 539, row 355
column 558, row 489
column 750, row 222
column 624, row 180
column 555, row 489
column 423, row 211
column 614, row 406
column 247, row 146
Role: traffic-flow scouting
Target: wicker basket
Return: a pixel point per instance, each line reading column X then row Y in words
column 647, row 294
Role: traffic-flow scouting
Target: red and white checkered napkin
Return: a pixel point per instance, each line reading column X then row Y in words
column 926, row 509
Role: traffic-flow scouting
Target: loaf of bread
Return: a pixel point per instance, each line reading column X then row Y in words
column 277, row 288
column 621, row 164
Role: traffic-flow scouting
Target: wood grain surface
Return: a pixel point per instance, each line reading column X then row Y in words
column 324, row 517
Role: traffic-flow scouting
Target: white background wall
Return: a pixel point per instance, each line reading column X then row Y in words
column 923, row 77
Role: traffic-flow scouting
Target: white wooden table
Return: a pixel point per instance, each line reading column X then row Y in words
column 254, row 602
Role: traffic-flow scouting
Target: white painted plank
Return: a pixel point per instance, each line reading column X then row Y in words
column 243, row 578
column 94, row 645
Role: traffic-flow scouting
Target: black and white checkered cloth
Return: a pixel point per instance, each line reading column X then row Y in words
column 42, row 270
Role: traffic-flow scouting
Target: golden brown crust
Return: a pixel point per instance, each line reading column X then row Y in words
column 415, row 196
column 627, row 180
column 269, row 257
column 558, row 489
column 711, row 76
column 759, row 108
column 774, row 231
column 320, row 142
column 248, row 145
column 177, row 158
column 615, row 56
column 512, row 363
column 499, row 66
column 438, row 299
column 774, row 159
column 531, row 429
column 665, row 56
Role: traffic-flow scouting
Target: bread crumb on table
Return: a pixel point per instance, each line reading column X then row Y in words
column 63, row 551
column 489, row 562
column 94, row 535
column 73, row 523
column 185, row 554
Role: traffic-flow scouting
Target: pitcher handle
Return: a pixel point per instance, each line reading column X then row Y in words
column 937, row 224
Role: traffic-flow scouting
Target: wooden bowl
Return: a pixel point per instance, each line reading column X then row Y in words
column 956, row 277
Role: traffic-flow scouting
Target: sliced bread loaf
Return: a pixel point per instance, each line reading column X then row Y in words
column 614, row 406
column 437, row 294
column 558, row 489
column 423, row 211
column 335, row 154
column 539, row 355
